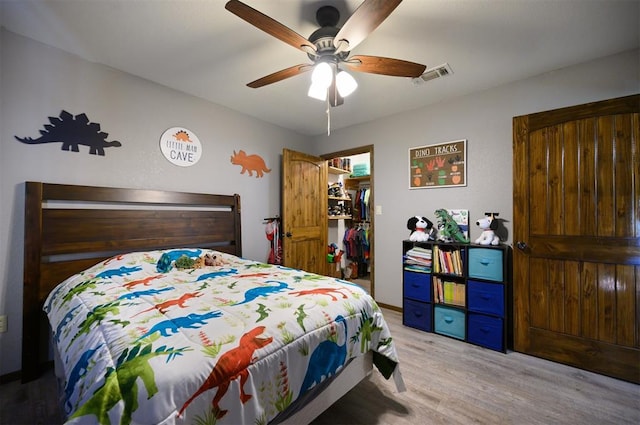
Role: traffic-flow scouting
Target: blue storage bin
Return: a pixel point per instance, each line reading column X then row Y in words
column 486, row 263
column 449, row 321
column 486, row 331
column 417, row 286
column 485, row 297
column 417, row 315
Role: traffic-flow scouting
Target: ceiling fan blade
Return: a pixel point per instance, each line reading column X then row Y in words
column 270, row 26
column 362, row 22
column 384, row 66
column 280, row 75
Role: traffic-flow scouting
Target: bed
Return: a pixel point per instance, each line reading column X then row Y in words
column 142, row 334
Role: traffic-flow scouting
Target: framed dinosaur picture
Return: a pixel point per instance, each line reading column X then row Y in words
column 439, row 165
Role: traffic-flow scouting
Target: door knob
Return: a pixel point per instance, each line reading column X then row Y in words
column 288, row 234
column 522, row 245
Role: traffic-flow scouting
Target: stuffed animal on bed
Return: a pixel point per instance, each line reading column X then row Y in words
column 489, row 225
column 187, row 259
column 214, row 260
column 209, row 260
column 421, row 229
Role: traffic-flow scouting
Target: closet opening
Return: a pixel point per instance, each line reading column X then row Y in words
column 351, row 215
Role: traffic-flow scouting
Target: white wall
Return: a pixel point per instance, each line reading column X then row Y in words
column 485, row 120
column 37, row 81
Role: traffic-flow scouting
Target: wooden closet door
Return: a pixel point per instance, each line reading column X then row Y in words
column 577, row 234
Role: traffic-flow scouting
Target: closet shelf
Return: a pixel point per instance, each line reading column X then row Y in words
column 334, row 170
column 339, row 217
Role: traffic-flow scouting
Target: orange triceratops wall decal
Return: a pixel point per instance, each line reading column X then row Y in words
column 250, row 163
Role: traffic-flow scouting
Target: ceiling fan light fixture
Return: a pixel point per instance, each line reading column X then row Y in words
column 322, row 75
column 317, row 91
column 346, row 83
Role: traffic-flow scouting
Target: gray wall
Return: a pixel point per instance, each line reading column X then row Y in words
column 37, row 81
column 485, row 120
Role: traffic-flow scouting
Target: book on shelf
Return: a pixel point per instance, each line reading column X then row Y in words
column 438, row 291
column 448, row 262
column 417, row 268
column 419, row 259
column 419, row 250
column 454, row 293
column 448, row 292
column 461, row 217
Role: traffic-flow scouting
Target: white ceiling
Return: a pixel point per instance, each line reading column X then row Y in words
column 198, row 47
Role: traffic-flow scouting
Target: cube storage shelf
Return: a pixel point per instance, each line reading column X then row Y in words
column 465, row 294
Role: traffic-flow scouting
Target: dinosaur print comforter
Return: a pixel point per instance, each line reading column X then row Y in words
column 234, row 343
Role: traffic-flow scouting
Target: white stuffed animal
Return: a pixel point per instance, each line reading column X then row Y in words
column 421, row 229
column 488, row 224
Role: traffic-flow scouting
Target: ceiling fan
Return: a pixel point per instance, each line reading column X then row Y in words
column 329, row 47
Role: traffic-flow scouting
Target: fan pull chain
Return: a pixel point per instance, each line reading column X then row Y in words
column 328, row 117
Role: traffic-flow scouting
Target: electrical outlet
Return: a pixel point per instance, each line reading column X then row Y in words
column 3, row 323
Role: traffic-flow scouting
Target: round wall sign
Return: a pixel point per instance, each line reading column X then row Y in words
column 180, row 146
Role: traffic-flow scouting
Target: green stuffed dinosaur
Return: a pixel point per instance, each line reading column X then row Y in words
column 448, row 230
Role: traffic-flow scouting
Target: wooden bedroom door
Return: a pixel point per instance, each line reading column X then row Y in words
column 304, row 211
column 576, row 267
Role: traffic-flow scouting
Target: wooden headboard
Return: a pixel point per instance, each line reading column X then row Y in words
column 70, row 228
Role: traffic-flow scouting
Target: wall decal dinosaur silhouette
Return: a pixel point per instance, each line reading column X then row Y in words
column 325, row 360
column 250, row 163
column 230, row 366
column 72, row 132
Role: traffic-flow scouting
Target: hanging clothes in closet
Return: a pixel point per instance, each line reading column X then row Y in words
column 356, row 243
column 361, row 204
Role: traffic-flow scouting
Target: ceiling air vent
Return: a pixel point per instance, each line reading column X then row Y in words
column 433, row 73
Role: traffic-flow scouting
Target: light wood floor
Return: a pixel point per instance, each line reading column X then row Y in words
column 448, row 382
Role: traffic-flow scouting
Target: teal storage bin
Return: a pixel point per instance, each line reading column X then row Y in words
column 449, row 321
column 486, row 263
